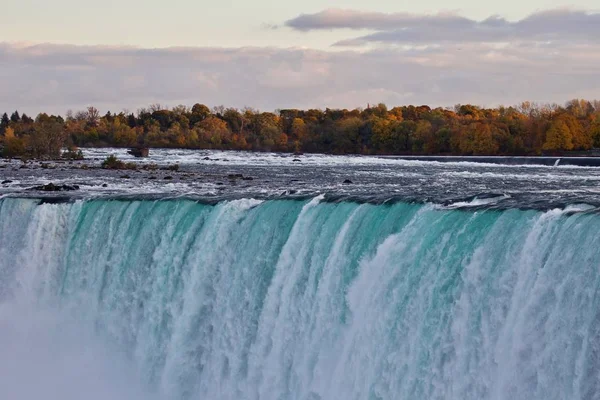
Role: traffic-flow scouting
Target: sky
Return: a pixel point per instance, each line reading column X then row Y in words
column 68, row 54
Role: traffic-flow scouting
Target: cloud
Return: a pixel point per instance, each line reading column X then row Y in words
column 352, row 19
column 55, row 78
column 560, row 25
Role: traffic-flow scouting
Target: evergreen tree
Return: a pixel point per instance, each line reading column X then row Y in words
column 15, row 117
column 4, row 122
column 26, row 119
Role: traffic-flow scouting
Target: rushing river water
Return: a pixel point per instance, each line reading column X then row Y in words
column 475, row 282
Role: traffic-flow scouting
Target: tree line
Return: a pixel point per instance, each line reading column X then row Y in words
column 526, row 129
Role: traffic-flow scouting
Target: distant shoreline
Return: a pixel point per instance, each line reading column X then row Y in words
column 465, row 130
column 508, row 160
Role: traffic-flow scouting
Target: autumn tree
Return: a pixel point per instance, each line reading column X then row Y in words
column 12, row 146
column 213, row 132
column 470, row 111
column 558, row 137
column 579, row 108
column 478, row 140
column 298, row 130
column 122, row 134
column 581, row 139
column 595, row 131
column 199, row 113
column 383, row 138
column 527, row 128
column 48, row 137
column 391, row 136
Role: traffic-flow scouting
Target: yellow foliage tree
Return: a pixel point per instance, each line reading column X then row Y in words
column 13, row 146
column 478, row 140
column 595, row 131
column 299, row 130
column 581, row 139
column 558, row 137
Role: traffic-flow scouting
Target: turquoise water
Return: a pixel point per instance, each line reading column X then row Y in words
column 296, row 300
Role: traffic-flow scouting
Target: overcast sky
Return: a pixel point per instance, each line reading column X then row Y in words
column 67, row 54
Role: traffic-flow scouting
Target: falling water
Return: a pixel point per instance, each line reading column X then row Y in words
column 290, row 299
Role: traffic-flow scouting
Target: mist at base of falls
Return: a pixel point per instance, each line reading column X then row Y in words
column 307, row 300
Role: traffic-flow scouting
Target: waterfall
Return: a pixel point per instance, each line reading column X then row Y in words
column 289, row 299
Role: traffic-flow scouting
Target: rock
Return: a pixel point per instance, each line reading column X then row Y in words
column 51, row 187
column 104, row 185
column 139, row 152
column 235, row 176
column 347, row 182
column 6, row 182
column 124, row 177
column 174, row 168
column 151, row 177
column 150, row 167
column 296, row 160
column 247, row 178
column 206, row 158
column 168, row 177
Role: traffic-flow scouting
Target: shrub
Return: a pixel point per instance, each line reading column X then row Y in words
column 73, row 155
column 112, row 162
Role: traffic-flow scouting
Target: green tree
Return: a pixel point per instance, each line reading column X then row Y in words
column 15, row 117
column 269, row 134
column 422, row 135
column 4, row 122
column 234, row 120
column 346, row 138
